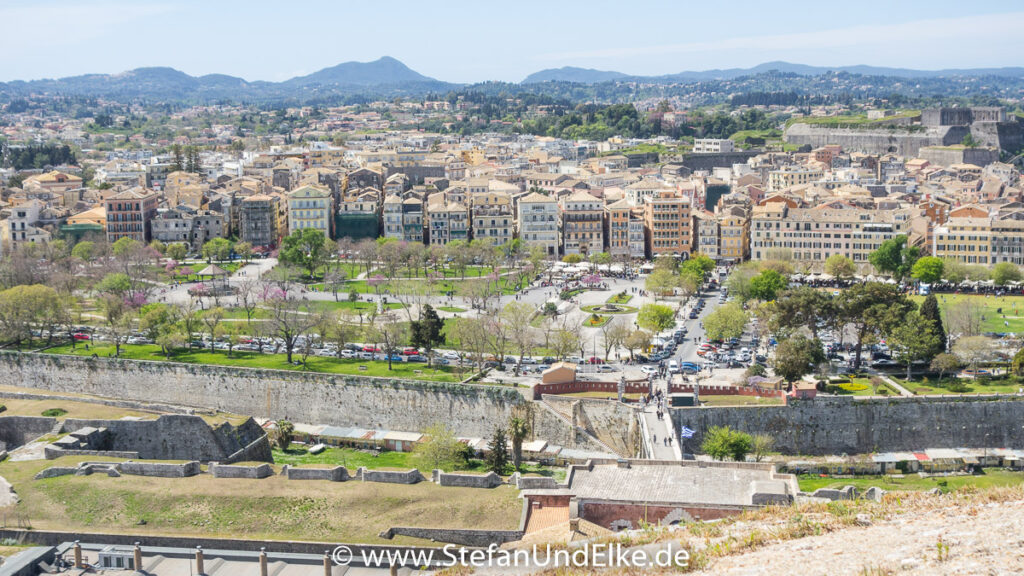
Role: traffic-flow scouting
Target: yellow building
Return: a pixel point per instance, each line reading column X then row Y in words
column 965, row 239
column 787, row 176
column 734, row 233
column 311, row 206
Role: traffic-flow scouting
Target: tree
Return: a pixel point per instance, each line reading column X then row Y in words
column 118, row 321
column 946, row 363
column 217, row 249
column 288, row 320
column 613, row 335
column 797, row 356
column 516, row 318
column 1005, row 272
column 392, row 334
column 973, row 350
column 176, row 251
column 425, row 333
column 518, row 430
column 895, row 257
column 637, row 340
column 572, row 258
column 872, row 309
column 655, row 317
column 927, row 269
column 766, row 285
column 722, row 442
column 497, row 452
column 801, row 307
column 726, row 322
column 212, row 318
column 840, row 266
column 283, row 432
column 661, row 282
column 243, row 250
column 912, row 340
column 930, row 312
column 761, row 445
column 439, row 449
column 84, row 251
column 1018, row 363
column 24, row 309
column 306, row 248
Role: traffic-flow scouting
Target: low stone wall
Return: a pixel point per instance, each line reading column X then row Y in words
column 480, row 538
column 533, row 482
column 160, row 469
column 489, row 480
column 390, row 476
column 336, row 474
column 256, row 451
column 254, row 472
column 52, row 452
column 56, row 471
column 16, row 431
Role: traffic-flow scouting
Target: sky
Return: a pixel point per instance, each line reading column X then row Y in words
column 472, row 41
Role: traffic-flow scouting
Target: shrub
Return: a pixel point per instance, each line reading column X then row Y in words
column 853, row 386
column 54, row 412
column 722, row 442
column 3, row 408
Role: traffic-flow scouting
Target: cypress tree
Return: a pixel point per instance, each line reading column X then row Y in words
column 930, row 311
column 497, row 455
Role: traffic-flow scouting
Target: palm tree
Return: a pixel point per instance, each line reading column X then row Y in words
column 518, row 429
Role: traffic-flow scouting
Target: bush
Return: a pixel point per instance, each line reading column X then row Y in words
column 722, row 442
column 853, row 386
column 3, row 408
column 54, row 412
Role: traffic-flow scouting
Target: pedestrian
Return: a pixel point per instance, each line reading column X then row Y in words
column 654, row 438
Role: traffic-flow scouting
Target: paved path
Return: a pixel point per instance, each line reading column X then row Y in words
column 903, row 391
column 659, row 430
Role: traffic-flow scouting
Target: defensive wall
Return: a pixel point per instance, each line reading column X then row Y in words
column 361, row 401
column 845, row 425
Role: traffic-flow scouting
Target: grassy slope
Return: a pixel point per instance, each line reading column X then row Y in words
column 273, row 361
column 271, row 508
column 992, row 477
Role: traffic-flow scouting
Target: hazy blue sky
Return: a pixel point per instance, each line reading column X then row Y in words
column 464, row 41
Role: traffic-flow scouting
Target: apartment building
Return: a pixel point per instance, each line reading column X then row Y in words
column 537, row 222
column 492, row 217
column 706, row 224
column 358, row 215
column 23, row 226
column 734, row 233
column 258, row 220
column 669, row 223
column 446, row 220
column 188, row 226
column 403, row 219
column 311, row 206
column 787, row 176
column 713, row 145
column 582, row 224
column 129, row 214
column 811, row 235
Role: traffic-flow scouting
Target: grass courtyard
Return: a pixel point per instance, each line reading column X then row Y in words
column 271, row 508
column 1012, row 307
column 991, row 478
column 410, row 371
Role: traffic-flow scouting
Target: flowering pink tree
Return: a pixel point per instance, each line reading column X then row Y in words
column 376, row 282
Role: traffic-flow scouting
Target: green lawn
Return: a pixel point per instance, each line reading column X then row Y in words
column 350, row 458
column 859, row 386
column 995, row 385
column 620, row 298
column 451, row 309
column 991, row 478
column 271, row 361
column 597, row 308
column 592, row 322
column 729, row 400
column 354, row 306
column 1009, row 319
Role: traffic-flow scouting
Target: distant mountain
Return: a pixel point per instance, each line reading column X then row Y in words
column 573, row 74
column 589, row 76
column 385, row 71
column 384, row 77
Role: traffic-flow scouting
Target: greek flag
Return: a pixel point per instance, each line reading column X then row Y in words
column 687, row 432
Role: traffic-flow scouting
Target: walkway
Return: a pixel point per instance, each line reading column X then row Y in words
column 660, row 430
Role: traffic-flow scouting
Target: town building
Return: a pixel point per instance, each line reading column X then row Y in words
column 713, row 145
column 446, row 220
column 129, row 214
column 311, row 206
column 582, row 224
column 538, row 222
column 669, row 225
column 258, row 219
column 186, row 225
column 492, row 217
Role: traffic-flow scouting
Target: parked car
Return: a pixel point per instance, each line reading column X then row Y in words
column 81, row 336
column 648, row 369
column 410, row 351
column 605, row 368
column 450, row 355
column 416, row 358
